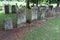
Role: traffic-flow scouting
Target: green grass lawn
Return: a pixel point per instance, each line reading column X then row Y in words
column 49, row 30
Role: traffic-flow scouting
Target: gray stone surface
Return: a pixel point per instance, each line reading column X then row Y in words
column 21, row 17
column 8, row 24
column 43, row 12
column 54, row 12
column 49, row 12
column 34, row 11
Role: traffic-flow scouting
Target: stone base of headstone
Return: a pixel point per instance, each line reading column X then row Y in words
column 20, row 25
column 20, row 22
column 34, row 18
column 43, row 16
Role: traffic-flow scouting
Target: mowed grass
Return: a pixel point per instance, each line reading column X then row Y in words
column 49, row 30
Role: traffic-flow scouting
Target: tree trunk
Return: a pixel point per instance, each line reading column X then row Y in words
column 27, row 4
column 37, row 3
column 57, row 3
column 33, row 4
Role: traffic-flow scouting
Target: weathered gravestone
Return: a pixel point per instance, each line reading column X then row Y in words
column 34, row 11
column 49, row 12
column 53, row 12
column 21, row 17
column 8, row 24
column 6, row 7
column 58, row 10
column 43, row 12
column 13, row 9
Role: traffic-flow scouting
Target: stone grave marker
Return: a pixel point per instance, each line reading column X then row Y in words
column 8, row 24
column 49, row 12
column 21, row 17
column 6, row 8
column 13, row 9
column 53, row 12
column 43, row 12
column 58, row 10
column 34, row 11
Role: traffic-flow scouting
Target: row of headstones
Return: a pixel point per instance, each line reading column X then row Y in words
column 6, row 9
column 49, row 11
column 21, row 16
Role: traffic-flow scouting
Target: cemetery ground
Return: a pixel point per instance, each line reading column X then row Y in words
column 48, row 30
column 38, row 30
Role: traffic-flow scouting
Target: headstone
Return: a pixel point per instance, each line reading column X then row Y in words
column 53, row 12
column 6, row 9
column 49, row 12
column 8, row 24
column 58, row 10
column 21, row 17
column 34, row 13
column 43, row 12
column 13, row 9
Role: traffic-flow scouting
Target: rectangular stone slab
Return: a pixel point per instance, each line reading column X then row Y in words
column 49, row 12
column 8, row 24
column 21, row 18
column 43, row 12
column 53, row 11
column 13, row 9
column 6, row 9
column 34, row 13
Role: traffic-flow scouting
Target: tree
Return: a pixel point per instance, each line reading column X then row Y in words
column 27, row 3
column 53, row 1
column 36, row 1
column 58, row 1
column 33, row 1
